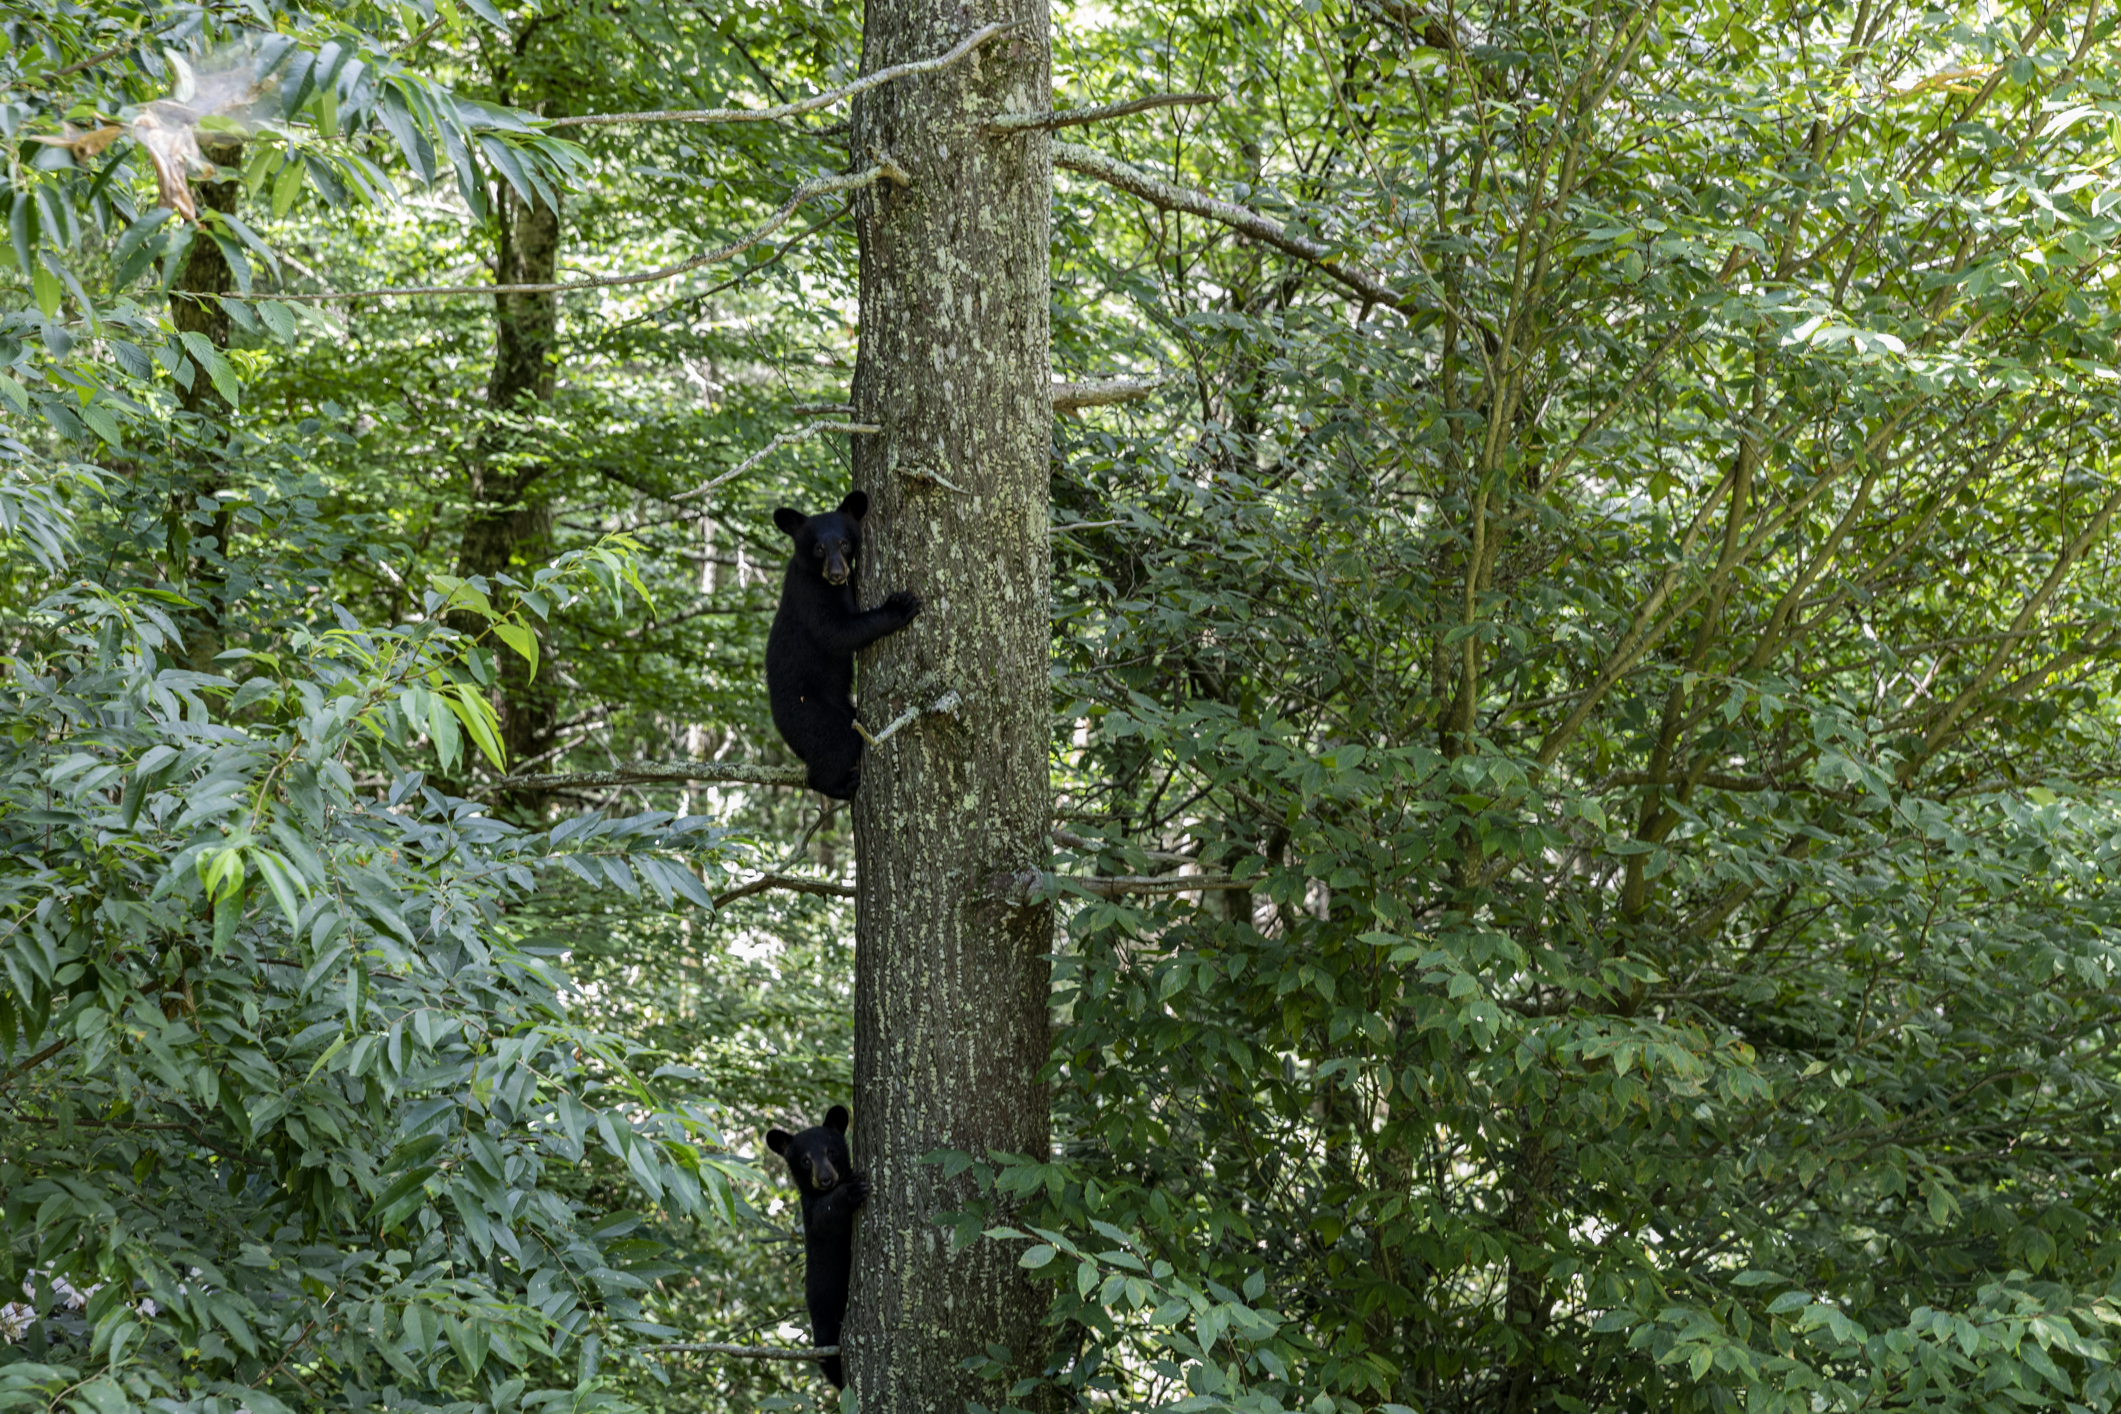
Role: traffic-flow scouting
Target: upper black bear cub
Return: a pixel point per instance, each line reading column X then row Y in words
column 831, row 1191
column 810, row 653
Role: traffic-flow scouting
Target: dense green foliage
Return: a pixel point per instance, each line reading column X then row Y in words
column 1639, row 707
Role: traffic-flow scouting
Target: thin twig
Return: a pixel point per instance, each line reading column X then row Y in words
column 785, row 439
column 643, row 630
column 747, row 1352
column 740, row 277
column 1116, row 885
column 1170, row 197
column 824, row 813
column 92, row 60
column 34, row 1061
column 307, row 1331
column 421, row 38
column 1070, row 839
column 1024, row 887
column 811, row 104
column 589, row 726
column 808, row 191
column 1075, row 117
column 796, row 883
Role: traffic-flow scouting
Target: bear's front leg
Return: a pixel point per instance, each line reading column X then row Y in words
column 837, row 1207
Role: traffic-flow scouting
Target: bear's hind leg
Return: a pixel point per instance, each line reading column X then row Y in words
column 836, row 767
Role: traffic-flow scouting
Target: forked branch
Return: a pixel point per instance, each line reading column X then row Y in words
column 1025, row 886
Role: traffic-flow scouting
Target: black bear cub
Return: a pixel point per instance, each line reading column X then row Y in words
column 810, row 652
column 831, row 1191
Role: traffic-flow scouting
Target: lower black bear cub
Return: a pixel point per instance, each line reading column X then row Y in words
column 831, row 1190
column 810, row 652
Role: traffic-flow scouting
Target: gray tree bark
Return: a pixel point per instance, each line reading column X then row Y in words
column 951, row 981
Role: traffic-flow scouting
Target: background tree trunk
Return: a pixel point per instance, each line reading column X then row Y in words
column 206, row 272
column 502, row 527
column 951, row 982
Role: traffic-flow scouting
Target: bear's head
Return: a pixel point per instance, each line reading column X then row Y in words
column 817, row 1157
column 831, row 540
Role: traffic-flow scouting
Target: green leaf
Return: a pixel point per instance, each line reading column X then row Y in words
column 286, row 885
column 521, row 638
column 442, row 714
column 479, row 719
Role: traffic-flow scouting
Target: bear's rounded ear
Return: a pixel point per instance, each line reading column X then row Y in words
column 778, row 1140
column 836, row 1118
column 856, row 504
column 789, row 519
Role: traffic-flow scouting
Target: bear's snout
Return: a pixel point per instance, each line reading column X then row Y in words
column 836, row 569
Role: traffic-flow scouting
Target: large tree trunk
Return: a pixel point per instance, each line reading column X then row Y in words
column 950, row 980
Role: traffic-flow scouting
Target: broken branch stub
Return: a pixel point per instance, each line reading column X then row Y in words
column 949, row 702
column 1067, row 397
column 1076, row 117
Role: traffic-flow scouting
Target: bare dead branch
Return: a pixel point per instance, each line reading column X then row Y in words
column 1067, row 397
column 637, row 773
column 786, row 439
column 823, row 409
column 795, row 883
column 801, row 106
column 883, row 168
column 1075, row 117
column 1170, row 197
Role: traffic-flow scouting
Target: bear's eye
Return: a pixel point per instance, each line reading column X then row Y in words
column 819, row 552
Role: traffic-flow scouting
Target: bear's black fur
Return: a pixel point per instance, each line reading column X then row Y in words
column 810, row 652
column 831, row 1191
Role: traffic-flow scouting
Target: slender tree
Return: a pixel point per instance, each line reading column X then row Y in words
column 951, row 978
